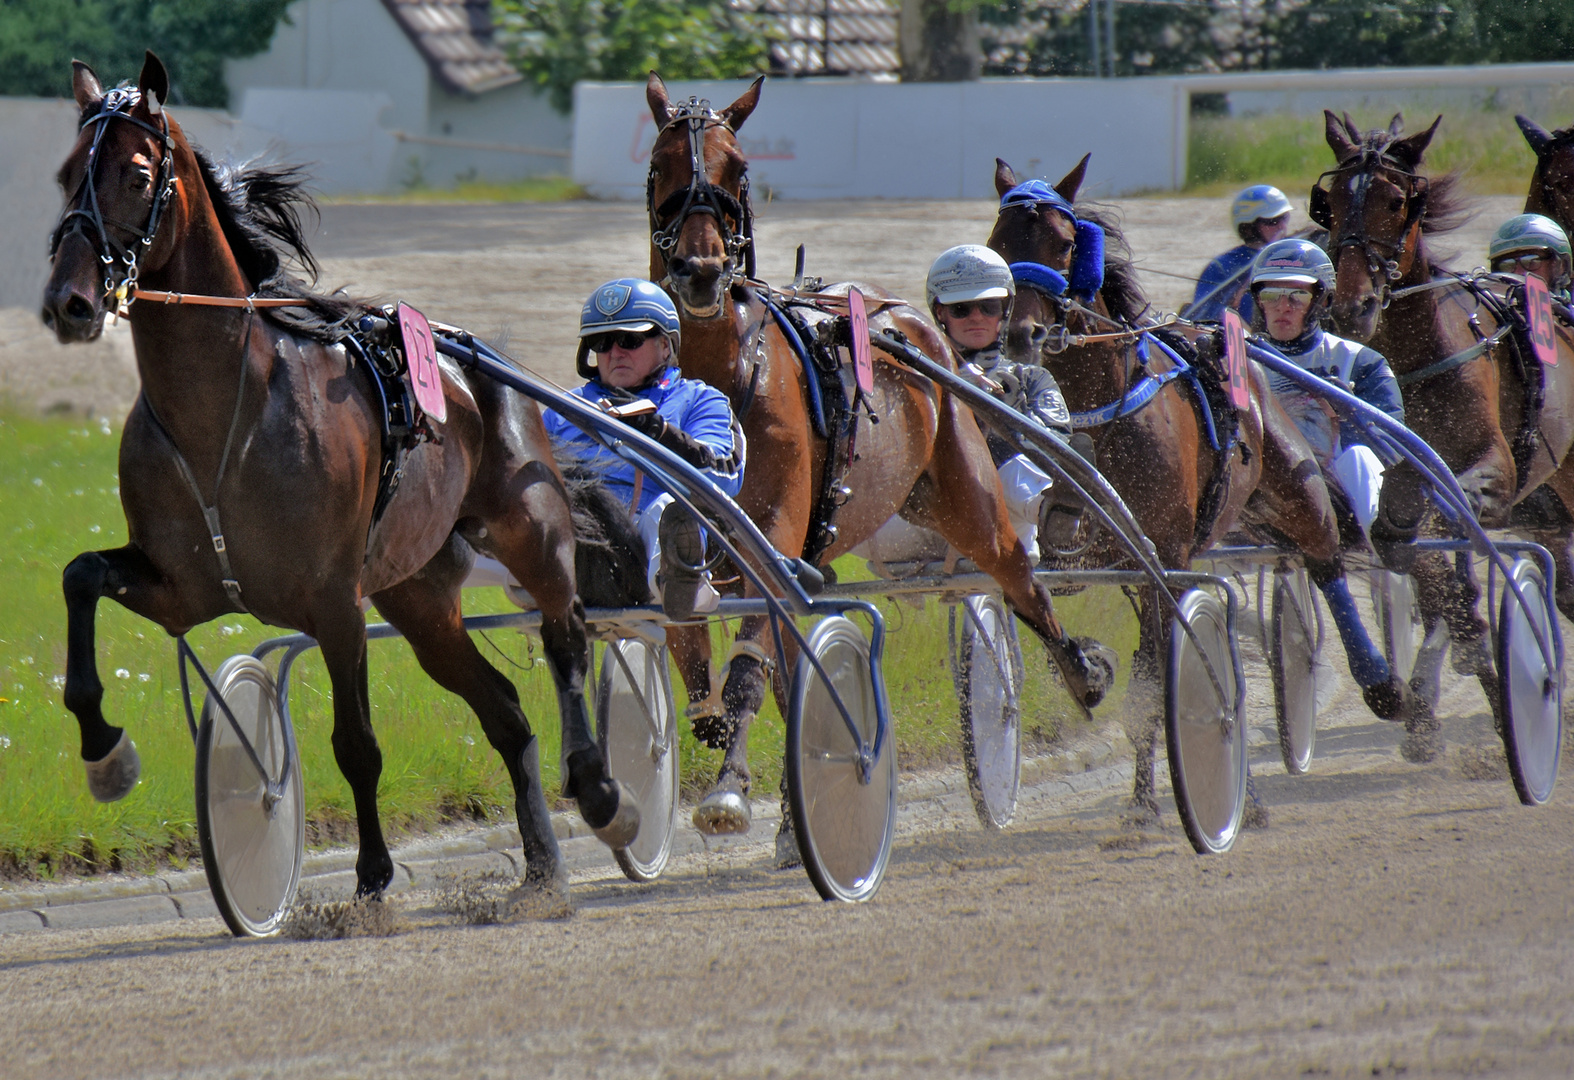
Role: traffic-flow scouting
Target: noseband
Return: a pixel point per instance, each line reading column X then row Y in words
column 1382, row 256
column 702, row 196
column 120, row 261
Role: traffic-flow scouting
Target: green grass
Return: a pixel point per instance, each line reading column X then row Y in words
column 1227, row 153
column 535, row 189
column 58, row 485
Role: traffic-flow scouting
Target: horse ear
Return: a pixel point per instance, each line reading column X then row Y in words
column 1005, row 177
column 1339, row 140
column 85, row 86
column 656, row 98
column 736, row 113
column 1396, row 125
column 1411, row 150
column 1351, row 128
column 1537, row 136
column 1072, row 181
column 153, row 82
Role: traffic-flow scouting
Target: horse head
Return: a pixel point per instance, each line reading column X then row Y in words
column 697, row 196
column 1552, row 184
column 1043, row 233
column 1373, row 207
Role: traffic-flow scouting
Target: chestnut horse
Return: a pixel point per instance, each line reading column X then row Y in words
column 1468, row 385
column 925, row 459
column 275, row 427
column 1552, row 183
column 1158, row 455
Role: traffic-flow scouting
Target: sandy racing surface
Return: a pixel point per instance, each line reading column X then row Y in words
column 1393, row 920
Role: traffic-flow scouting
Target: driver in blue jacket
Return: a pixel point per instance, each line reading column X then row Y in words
column 628, row 346
column 1261, row 216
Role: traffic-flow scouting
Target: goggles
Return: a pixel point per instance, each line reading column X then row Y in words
column 992, row 308
column 1529, row 260
column 1271, row 293
column 627, row 340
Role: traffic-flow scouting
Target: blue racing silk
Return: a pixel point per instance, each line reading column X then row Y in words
column 1232, row 263
column 696, row 408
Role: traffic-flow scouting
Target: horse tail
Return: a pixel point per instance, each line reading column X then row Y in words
column 609, row 559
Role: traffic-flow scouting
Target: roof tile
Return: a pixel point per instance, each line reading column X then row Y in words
column 454, row 37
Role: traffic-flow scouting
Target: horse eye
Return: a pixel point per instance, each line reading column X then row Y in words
column 139, row 182
column 1396, row 204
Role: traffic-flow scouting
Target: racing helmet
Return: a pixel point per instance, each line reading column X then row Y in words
column 1293, row 262
column 631, row 304
column 968, row 272
column 1260, row 202
column 1529, row 233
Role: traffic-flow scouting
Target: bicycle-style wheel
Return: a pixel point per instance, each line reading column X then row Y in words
column 845, row 820
column 1399, row 618
column 988, row 673
column 637, row 726
column 252, row 839
column 1205, row 735
column 1292, row 663
column 1532, row 690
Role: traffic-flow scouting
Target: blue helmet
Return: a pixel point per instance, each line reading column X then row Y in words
column 1260, row 202
column 632, row 304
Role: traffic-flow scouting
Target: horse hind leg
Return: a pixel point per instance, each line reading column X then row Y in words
column 1142, row 713
column 725, row 808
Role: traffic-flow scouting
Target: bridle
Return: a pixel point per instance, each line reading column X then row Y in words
column 702, row 196
column 1382, row 256
column 120, row 260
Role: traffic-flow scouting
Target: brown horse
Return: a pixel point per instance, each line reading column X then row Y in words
column 1157, row 455
column 925, row 459
column 277, row 428
column 1470, row 389
column 1552, row 183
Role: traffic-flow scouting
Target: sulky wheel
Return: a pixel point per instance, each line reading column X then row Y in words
column 1532, row 723
column 1394, row 600
column 252, row 823
column 845, row 817
column 988, row 674
column 1206, row 734
column 1292, row 662
column 638, row 728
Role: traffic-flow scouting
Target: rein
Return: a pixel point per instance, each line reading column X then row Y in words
column 702, row 196
column 154, row 296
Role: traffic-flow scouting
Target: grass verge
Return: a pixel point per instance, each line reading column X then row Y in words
column 535, row 189
column 58, row 484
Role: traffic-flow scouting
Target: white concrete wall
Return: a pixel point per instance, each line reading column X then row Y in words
column 837, row 139
column 517, row 116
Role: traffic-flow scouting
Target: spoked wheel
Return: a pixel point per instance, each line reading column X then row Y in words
column 1532, row 725
column 1292, row 662
column 1394, row 598
column 845, row 820
column 638, row 728
column 252, row 837
column 988, row 674
column 1205, row 735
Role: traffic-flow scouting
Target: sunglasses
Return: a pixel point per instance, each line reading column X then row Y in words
column 992, row 309
column 1298, row 297
column 627, row 340
column 1528, row 261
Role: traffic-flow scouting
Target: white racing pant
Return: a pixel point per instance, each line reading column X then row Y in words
column 1359, row 472
column 1024, row 484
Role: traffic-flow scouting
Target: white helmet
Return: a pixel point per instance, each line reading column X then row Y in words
column 1260, row 202
column 968, row 272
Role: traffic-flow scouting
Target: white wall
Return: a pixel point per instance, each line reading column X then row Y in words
column 838, row 139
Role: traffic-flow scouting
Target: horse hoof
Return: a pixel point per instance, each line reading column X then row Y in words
column 1392, row 700
column 1423, row 741
column 724, row 812
column 1254, row 815
column 620, row 832
column 112, row 777
column 1471, row 657
column 1097, row 663
column 541, row 898
column 787, row 855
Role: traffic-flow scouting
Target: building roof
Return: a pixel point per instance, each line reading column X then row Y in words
column 862, row 40
column 455, row 39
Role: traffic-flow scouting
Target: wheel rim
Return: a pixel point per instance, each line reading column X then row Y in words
column 844, row 825
column 252, row 854
column 989, row 679
column 639, row 737
column 1207, row 747
column 1399, row 618
column 1295, row 670
column 1532, row 692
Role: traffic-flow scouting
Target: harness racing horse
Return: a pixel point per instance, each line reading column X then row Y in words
column 249, row 470
column 924, row 459
column 1552, row 183
column 1502, row 422
column 1155, row 432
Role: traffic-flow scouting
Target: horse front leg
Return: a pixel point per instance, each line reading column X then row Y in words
column 129, row 577
column 725, row 808
column 1143, row 710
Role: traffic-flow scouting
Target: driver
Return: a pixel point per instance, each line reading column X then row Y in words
column 970, row 289
column 1532, row 244
column 628, row 346
column 1261, row 215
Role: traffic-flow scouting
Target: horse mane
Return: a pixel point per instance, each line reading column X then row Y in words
column 1122, row 293
column 259, row 207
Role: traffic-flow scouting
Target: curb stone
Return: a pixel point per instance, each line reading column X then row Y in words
column 183, row 894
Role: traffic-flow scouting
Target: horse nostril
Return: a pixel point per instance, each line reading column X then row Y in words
column 78, row 309
column 677, row 266
column 48, row 317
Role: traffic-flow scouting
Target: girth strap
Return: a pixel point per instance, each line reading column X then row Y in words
column 1459, row 359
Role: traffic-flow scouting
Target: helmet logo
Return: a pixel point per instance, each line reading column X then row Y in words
column 611, row 298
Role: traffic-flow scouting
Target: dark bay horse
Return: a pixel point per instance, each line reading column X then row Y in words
column 1503, row 422
column 925, row 459
column 274, row 430
column 1158, row 455
column 1552, row 183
